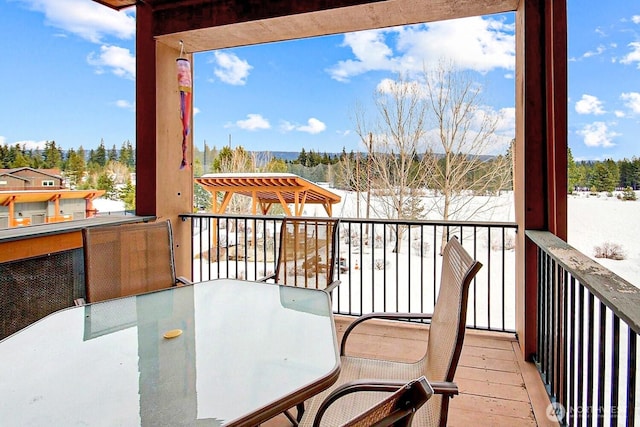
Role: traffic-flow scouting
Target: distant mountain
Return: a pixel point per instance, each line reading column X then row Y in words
column 284, row 155
column 289, row 155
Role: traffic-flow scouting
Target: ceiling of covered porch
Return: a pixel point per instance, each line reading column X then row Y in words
column 203, row 25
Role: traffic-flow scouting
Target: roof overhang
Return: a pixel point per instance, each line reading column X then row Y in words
column 28, row 196
column 117, row 4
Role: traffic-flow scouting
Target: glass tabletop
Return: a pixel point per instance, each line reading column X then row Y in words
column 240, row 348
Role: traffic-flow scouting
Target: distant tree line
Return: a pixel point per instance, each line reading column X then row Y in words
column 607, row 175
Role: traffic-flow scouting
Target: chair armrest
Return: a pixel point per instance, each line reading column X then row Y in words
column 448, row 389
column 264, row 279
column 183, row 281
column 445, row 388
column 386, row 316
column 353, row 387
column 332, row 286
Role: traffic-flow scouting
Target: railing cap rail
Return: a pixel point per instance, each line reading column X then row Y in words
column 622, row 297
column 393, row 221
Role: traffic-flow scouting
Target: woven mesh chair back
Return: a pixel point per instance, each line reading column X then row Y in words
column 446, row 332
column 307, row 252
column 128, row 259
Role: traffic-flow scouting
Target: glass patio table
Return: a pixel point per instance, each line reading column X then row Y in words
column 246, row 352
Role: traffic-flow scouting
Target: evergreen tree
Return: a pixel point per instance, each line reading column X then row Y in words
column 106, row 183
column 128, row 196
column 75, row 168
column 302, row 158
column 572, row 172
column 99, row 156
column 19, row 160
column 52, row 156
column 113, row 154
column 604, row 176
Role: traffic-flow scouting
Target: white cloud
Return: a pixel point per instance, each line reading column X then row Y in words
column 370, row 51
column 231, row 69
column 634, row 55
column 196, row 110
column 635, row 19
column 507, row 121
column 87, row 19
column 599, row 51
column 632, row 100
column 118, row 59
column 286, row 126
column 28, row 145
column 589, row 104
column 253, row 122
column 475, row 43
column 313, row 126
column 597, row 134
column 124, row 104
column 619, row 114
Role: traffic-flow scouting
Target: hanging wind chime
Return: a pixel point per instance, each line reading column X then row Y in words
column 184, row 85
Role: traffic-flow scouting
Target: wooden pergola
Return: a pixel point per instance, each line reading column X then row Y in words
column 540, row 173
column 267, row 189
column 11, row 198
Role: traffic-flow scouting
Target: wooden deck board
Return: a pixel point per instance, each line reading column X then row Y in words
column 497, row 387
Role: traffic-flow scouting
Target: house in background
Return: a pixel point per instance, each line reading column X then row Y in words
column 38, row 196
column 26, row 178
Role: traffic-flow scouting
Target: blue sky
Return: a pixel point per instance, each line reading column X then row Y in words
column 69, row 73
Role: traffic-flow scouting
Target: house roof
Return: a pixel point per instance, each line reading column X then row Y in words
column 54, row 173
column 268, row 189
column 13, row 176
column 29, row 196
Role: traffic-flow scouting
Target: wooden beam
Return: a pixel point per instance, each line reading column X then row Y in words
column 205, row 25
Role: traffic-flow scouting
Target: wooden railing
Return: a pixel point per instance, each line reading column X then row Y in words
column 587, row 328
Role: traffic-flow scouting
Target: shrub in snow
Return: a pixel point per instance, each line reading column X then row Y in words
column 609, row 250
column 417, row 246
column 379, row 264
column 628, row 194
column 509, row 242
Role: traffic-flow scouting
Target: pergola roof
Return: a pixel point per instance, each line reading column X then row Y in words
column 267, row 189
column 30, row 196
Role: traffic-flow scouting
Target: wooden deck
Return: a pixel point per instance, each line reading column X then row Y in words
column 497, row 387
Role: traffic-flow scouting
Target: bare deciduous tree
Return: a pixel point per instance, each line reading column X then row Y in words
column 464, row 136
column 398, row 157
column 433, row 133
column 236, row 160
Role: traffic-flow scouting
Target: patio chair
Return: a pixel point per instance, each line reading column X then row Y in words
column 123, row 260
column 438, row 365
column 307, row 253
column 395, row 410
